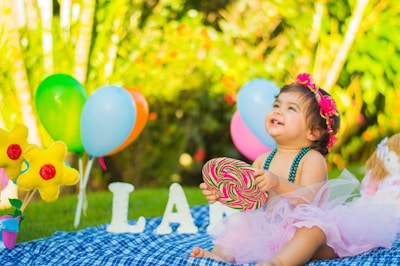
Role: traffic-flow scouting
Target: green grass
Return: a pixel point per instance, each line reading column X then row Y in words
column 43, row 219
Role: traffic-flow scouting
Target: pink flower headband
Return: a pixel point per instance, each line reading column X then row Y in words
column 326, row 104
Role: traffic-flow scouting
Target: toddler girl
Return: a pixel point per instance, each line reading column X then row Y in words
column 306, row 217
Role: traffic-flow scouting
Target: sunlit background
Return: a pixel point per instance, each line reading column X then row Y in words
column 189, row 59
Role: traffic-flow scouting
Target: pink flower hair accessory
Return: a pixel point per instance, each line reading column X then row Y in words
column 326, row 104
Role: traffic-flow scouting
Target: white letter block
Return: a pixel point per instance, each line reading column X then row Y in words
column 119, row 220
column 183, row 215
column 217, row 212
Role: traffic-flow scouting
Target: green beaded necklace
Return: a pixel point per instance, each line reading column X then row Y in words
column 293, row 167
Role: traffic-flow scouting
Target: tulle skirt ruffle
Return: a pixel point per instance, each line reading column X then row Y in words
column 350, row 227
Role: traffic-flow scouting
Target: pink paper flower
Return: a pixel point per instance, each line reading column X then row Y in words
column 306, row 80
column 328, row 106
column 332, row 141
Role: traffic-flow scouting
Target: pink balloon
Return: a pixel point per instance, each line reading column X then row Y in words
column 245, row 141
column 3, row 179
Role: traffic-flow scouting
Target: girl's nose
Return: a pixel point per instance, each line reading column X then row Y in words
column 277, row 110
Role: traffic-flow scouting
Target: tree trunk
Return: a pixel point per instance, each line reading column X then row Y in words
column 18, row 71
column 82, row 48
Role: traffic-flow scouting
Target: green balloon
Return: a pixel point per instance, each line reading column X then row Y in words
column 59, row 103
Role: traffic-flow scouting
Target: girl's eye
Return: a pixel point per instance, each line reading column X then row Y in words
column 291, row 108
column 275, row 105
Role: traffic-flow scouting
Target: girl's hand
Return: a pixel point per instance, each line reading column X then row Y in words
column 210, row 195
column 265, row 180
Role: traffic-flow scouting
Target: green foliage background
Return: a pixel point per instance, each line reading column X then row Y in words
column 190, row 59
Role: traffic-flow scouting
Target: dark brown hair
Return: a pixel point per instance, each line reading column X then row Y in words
column 313, row 117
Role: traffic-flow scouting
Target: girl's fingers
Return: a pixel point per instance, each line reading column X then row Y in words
column 208, row 193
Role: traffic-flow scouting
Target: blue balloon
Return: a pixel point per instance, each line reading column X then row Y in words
column 107, row 119
column 254, row 101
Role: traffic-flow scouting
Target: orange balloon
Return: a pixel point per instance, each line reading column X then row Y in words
column 142, row 114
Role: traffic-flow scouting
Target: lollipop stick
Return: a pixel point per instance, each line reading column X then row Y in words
column 27, row 199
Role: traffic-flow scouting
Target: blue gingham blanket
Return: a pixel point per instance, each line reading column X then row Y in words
column 96, row 246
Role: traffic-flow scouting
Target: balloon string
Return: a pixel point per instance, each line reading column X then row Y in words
column 102, row 163
column 82, row 192
column 80, row 172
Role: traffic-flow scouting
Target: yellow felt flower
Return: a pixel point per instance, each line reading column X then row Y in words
column 47, row 171
column 12, row 146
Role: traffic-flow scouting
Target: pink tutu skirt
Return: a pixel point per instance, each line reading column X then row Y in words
column 351, row 228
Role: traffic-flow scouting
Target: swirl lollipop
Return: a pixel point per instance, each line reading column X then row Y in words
column 231, row 179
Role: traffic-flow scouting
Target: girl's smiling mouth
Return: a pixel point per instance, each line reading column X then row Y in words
column 276, row 122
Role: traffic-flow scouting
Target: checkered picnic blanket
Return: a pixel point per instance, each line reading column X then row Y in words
column 96, row 246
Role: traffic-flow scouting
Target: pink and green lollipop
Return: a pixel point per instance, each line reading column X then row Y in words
column 232, row 180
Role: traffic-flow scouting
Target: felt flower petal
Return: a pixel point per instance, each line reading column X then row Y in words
column 47, row 171
column 70, row 177
column 12, row 146
column 49, row 193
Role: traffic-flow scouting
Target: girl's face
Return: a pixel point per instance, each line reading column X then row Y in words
column 286, row 122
